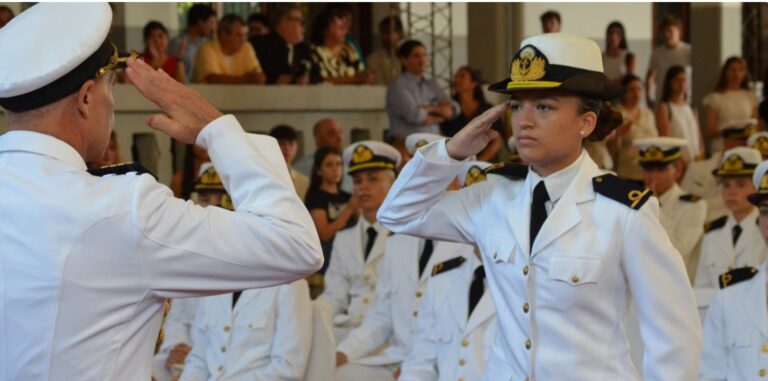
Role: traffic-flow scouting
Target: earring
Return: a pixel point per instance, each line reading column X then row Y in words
column 581, row 133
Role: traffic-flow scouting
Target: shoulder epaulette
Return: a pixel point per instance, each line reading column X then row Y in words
column 511, row 171
column 736, row 276
column 447, row 265
column 120, row 169
column 715, row 224
column 690, row 197
column 623, row 191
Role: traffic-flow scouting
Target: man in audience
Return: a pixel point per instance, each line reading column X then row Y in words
column 414, row 102
column 350, row 281
column 288, row 139
column 327, row 133
column 283, row 54
column 682, row 215
column 674, row 52
column 550, row 22
column 383, row 62
column 6, row 14
column 258, row 25
column 228, row 59
column 734, row 329
column 201, row 23
column 405, row 270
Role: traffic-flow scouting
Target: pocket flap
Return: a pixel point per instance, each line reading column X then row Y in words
column 575, row 270
column 502, row 248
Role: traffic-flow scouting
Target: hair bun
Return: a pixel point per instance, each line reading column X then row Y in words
column 608, row 120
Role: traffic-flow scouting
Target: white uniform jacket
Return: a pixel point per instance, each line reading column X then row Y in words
column 683, row 218
column 719, row 256
column 591, row 255
column 87, row 262
column 265, row 338
column 176, row 328
column 446, row 345
column 699, row 180
column 398, row 294
column 350, row 281
column 736, row 333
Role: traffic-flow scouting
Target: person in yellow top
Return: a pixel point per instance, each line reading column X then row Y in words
column 229, row 58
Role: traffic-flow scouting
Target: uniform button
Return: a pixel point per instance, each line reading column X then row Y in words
column 415, row 313
column 462, row 362
column 365, row 301
column 373, row 288
column 460, row 379
column 366, row 278
column 226, row 328
column 250, row 325
column 765, row 348
column 495, row 256
column 223, row 349
column 528, row 344
column 418, row 294
column 525, row 308
column 575, row 279
column 762, row 372
column 525, row 270
column 464, row 343
column 221, row 368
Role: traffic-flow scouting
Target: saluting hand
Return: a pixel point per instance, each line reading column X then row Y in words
column 186, row 112
column 476, row 135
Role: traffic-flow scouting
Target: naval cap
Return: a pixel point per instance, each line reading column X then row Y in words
column 419, row 139
column 740, row 129
column 659, row 151
column 760, row 179
column 759, row 141
column 371, row 154
column 40, row 66
column 739, row 161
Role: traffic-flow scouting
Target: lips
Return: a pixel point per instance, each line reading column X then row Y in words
column 525, row 140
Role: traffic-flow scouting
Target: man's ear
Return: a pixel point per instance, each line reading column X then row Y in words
column 85, row 98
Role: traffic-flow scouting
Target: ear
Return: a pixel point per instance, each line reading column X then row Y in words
column 85, row 98
column 588, row 123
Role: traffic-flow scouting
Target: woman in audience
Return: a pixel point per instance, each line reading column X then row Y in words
column 331, row 208
column 335, row 60
column 155, row 51
column 468, row 92
column 638, row 123
column 732, row 101
column 674, row 116
column 616, row 60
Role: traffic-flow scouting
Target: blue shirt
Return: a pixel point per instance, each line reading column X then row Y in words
column 405, row 97
column 189, row 52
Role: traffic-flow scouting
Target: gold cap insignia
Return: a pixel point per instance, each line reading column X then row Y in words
column 474, row 175
column 362, row 154
column 529, row 65
column 764, row 183
column 761, row 144
column 733, row 163
column 653, row 153
column 209, row 178
column 421, row 143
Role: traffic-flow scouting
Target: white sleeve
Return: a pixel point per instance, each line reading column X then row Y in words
column 421, row 362
column 666, row 308
column 187, row 250
column 714, row 353
column 418, row 205
column 704, row 286
column 293, row 335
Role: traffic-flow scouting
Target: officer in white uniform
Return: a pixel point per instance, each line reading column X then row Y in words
column 736, row 326
column 350, row 281
column 87, row 262
column 404, row 273
column 262, row 334
column 759, row 141
column 456, row 326
column 698, row 177
column 561, row 272
column 734, row 240
column 681, row 214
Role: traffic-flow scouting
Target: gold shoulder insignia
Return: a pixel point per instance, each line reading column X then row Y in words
column 625, row 192
column 120, row 169
column 737, row 276
column 715, row 224
column 447, row 265
column 511, row 171
column 690, row 197
column 475, row 175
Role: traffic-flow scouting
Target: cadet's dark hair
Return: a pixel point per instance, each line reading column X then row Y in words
column 608, row 118
column 199, row 12
column 153, row 25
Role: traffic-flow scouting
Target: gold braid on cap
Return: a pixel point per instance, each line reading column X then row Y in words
column 362, row 154
column 733, row 163
column 114, row 61
column 761, row 144
column 528, row 67
column 764, row 183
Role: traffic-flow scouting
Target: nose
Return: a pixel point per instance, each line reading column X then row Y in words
column 525, row 117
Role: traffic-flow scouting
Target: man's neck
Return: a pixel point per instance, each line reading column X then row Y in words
column 370, row 216
column 742, row 214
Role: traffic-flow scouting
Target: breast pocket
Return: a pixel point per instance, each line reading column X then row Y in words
column 257, row 332
column 573, row 279
column 500, row 248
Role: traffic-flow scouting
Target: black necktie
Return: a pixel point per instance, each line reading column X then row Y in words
column 476, row 289
column 538, row 210
column 235, row 296
column 736, row 234
column 371, row 240
column 425, row 254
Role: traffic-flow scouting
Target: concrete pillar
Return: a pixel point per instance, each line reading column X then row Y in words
column 494, row 33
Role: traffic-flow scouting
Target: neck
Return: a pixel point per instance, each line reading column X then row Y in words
column 415, row 74
column 733, row 86
column 614, row 51
column 664, row 191
column 467, row 97
column 370, row 216
column 630, row 107
column 329, row 187
column 545, row 169
column 742, row 214
column 679, row 98
column 193, row 32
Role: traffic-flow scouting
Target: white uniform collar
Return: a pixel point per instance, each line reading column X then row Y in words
column 42, row 144
column 670, row 195
column 749, row 219
column 558, row 182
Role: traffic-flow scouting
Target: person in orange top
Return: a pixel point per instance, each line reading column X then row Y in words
column 228, row 59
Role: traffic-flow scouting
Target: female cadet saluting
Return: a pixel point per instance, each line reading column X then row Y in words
column 566, row 247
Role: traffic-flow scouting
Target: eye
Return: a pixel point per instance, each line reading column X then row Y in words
column 514, row 106
column 543, row 107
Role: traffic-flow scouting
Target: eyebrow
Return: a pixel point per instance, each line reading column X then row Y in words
column 553, row 97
